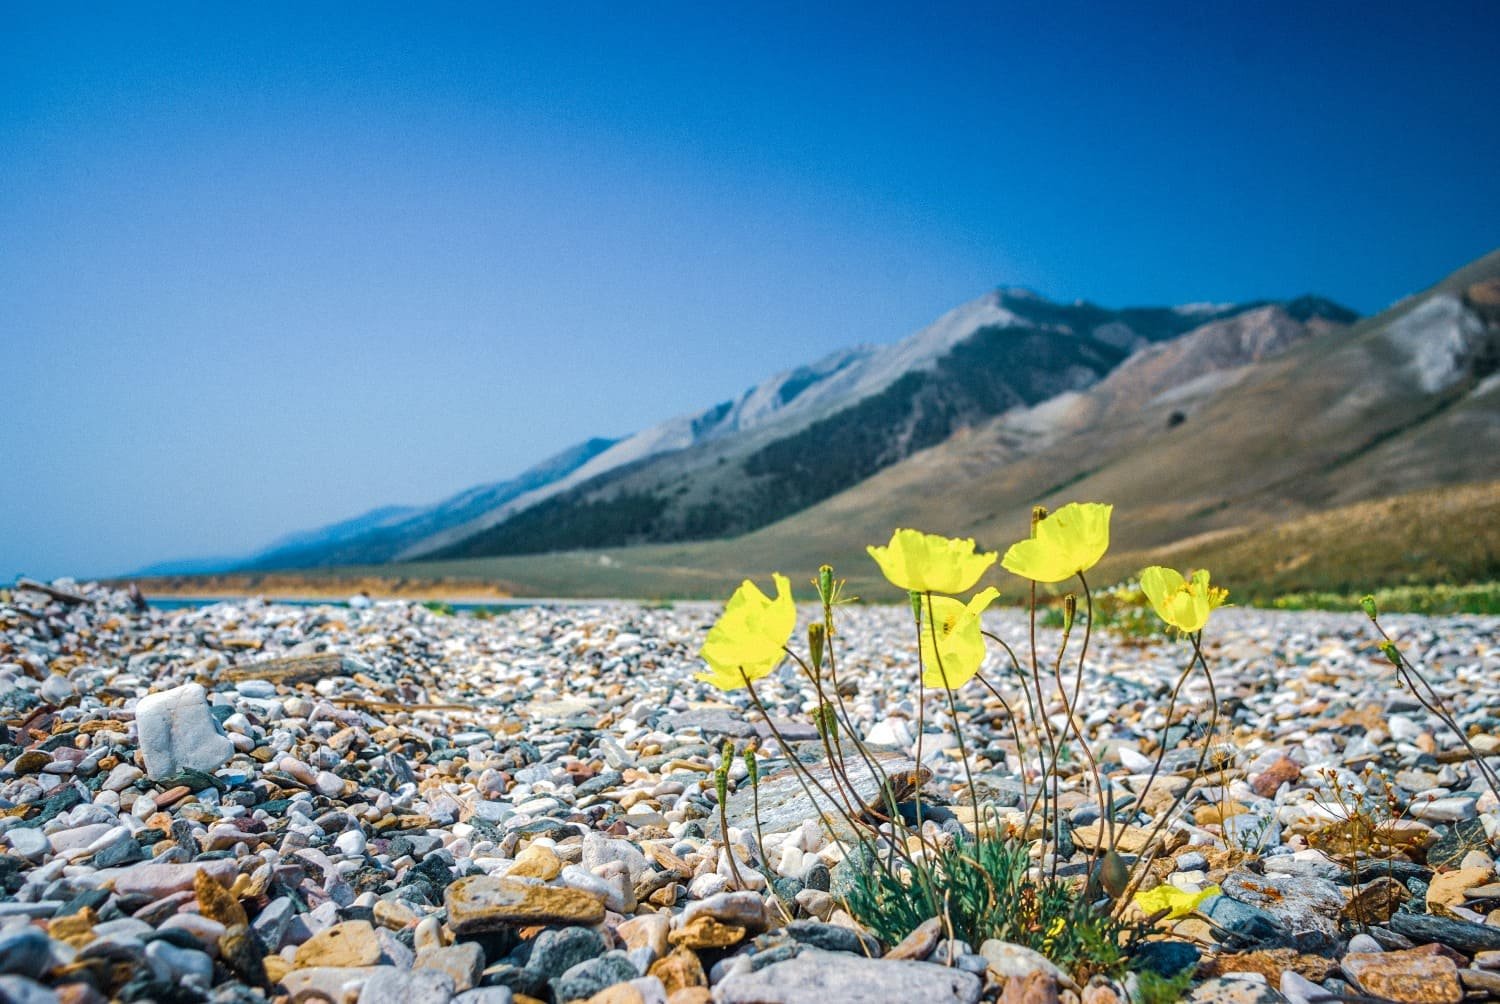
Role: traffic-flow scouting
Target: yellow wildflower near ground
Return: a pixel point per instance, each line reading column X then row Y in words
column 1168, row 897
column 1183, row 603
column 928, row 562
column 750, row 636
column 953, row 652
column 1069, row 541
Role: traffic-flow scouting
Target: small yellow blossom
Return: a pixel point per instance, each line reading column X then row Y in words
column 1061, row 545
column 1183, row 603
column 1169, row 897
column 927, row 562
column 748, row 639
column 954, row 656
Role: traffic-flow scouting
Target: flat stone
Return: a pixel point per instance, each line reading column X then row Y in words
column 707, row 932
column 1409, row 977
column 20, row 990
column 486, row 903
column 1009, row 961
column 419, row 986
column 1229, row 990
column 817, row 977
column 352, row 944
column 712, row 722
column 177, row 730
column 336, row 984
column 1447, row 889
column 919, row 944
column 160, row 880
column 1459, row 934
column 746, row 909
column 463, row 962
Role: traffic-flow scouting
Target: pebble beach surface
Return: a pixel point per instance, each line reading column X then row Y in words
column 380, row 803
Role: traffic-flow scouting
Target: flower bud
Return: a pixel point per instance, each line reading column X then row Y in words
column 1038, row 513
column 721, row 785
column 726, row 755
column 751, row 767
column 1371, row 610
column 826, row 722
column 916, row 604
column 815, row 638
column 1070, row 611
column 825, row 584
column 1391, row 652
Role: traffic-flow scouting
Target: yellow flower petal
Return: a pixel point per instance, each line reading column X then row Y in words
column 952, row 645
column 928, row 562
column 748, row 639
column 1069, row 541
column 1183, row 603
column 1169, row 897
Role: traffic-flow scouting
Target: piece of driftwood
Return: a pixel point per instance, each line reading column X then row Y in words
column 61, row 595
column 292, row 668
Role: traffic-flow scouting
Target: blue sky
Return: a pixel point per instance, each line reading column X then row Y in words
column 264, row 267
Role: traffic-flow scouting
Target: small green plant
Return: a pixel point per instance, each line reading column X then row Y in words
column 1153, row 988
column 439, row 607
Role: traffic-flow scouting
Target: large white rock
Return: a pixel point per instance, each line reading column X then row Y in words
column 176, row 730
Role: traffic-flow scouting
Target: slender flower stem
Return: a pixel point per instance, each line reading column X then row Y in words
column 958, row 731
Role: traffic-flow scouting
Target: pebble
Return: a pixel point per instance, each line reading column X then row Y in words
column 177, row 731
column 816, row 977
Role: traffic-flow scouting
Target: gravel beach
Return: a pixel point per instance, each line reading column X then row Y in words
column 375, row 802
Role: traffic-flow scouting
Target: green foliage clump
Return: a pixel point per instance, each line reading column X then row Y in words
column 985, row 889
column 440, row 608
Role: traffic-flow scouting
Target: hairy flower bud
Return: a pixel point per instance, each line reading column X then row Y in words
column 1391, row 652
column 1070, row 611
column 825, row 584
column 1038, row 513
column 726, row 755
column 751, row 767
column 826, row 720
column 721, row 785
column 1371, row 610
column 815, row 639
column 916, row 604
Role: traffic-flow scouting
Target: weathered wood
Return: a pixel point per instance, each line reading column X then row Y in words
column 61, row 595
column 292, row 668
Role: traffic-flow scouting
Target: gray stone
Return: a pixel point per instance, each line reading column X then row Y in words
column 555, row 952
column 599, row 849
column 419, row 986
column 177, row 730
column 1468, row 938
column 29, row 843
column 711, row 722
column 20, row 990
column 485, row 995
column 25, row 952
column 588, row 978
column 464, row 962
column 832, row 937
column 817, row 977
column 171, row 964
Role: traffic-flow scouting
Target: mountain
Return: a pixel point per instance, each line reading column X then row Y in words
column 808, row 434
column 379, row 535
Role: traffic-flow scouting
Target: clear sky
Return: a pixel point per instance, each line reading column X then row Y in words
column 263, row 267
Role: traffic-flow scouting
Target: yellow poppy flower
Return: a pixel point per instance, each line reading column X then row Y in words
column 954, row 656
column 1069, row 541
column 1167, row 897
column 926, row 562
column 1183, row 603
column 749, row 636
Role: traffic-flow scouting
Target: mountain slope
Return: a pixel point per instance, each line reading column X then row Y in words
column 381, row 534
column 747, row 463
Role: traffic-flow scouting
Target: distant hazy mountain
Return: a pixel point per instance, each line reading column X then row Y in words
column 380, row 534
column 810, row 433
